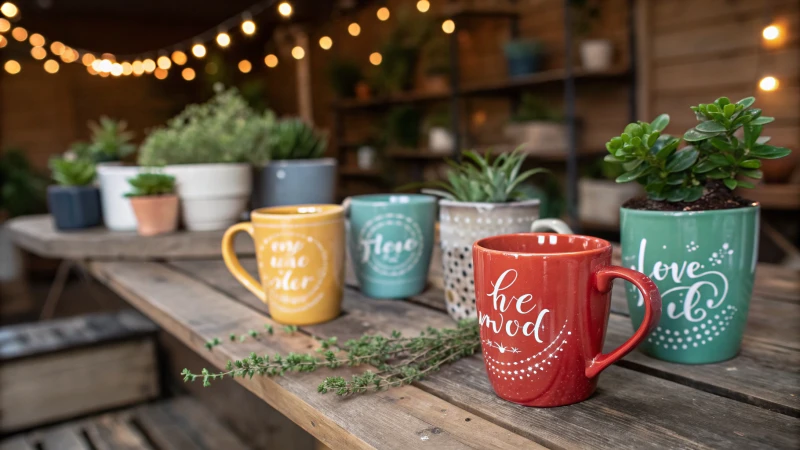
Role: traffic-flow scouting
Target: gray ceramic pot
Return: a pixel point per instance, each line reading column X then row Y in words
column 460, row 225
column 295, row 182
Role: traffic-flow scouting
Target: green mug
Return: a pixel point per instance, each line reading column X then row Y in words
column 703, row 263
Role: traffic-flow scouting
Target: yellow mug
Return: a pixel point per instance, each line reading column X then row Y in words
column 300, row 251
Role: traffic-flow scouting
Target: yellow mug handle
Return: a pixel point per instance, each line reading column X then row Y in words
column 232, row 261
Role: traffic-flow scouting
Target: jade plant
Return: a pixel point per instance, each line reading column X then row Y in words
column 151, row 184
column 72, row 172
column 715, row 152
column 294, row 139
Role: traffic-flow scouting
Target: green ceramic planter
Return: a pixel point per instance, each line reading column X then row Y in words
column 704, row 265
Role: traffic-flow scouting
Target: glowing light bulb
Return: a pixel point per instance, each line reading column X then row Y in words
column 188, row 74
column 12, row 67
column 298, row 52
column 3, row 41
column 179, row 58
column 91, row 70
column 383, row 14
column 354, row 29
column 245, row 66
column 57, row 48
column 248, row 27
column 108, row 56
column 149, row 65
column 38, row 53
column 127, row 68
column 69, row 55
column 163, row 62
column 448, row 26
column 51, row 66
column 285, row 9
column 105, row 66
column 88, row 59
column 103, row 74
column 211, row 68
column 9, row 9
column 4, row 25
column 223, row 39
column 325, row 42
column 36, row 40
column 19, row 34
column 271, row 60
column 96, row 65
column 116, row 69
column 161, row 73
column 375, row 58
column 423, row 6
column 771, row 32
column 199, row 50
column 138, row 68
column 768, row 84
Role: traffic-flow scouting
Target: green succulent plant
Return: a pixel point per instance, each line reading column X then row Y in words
column 295, row 139
column 74, row 172
column 483, row 179
column 715, row 151
column 110, row 141
column 147, row 184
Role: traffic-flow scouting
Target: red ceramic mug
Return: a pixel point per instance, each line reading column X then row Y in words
column 543, row 302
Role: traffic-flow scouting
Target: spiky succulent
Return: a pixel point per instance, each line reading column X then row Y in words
column 150, row 183
column 75, row 172
column 294, row 139
column 110, row 141
column 714, row 151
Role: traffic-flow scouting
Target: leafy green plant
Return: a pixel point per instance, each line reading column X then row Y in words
column 403, row 125
column 344, row 75
column 534, row 109
column 294, row 139
column 480, row 179
column 714, row 152
column 22, row 190
column 400, row 54
column 74, row 172
column 110, row 141
column 223, row 130
column 148, row 184
column 399, row 360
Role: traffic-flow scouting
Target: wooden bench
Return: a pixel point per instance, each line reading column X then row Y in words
column 177, row 424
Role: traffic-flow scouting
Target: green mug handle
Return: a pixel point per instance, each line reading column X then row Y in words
column 551, row 225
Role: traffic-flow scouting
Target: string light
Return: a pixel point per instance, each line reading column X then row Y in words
column 116, row 69
column 20, row 34
column 4, row 25
column 88, row 59
column 223, row 39
column 768, row 84
column 38, row 53
column 3, row 41
column 161, row 73
column 57, row 48
column 771, row 32
column 108, row 56
column 51, row 66
column 36, row 40
column 96, row 65
column 138, row 67
column 325, row 42
column 105, row 66
column 448, row 26
column 199, row 50
column 9, row 9
column 12, row 67
column 149, row 65
column 285, row 9
column 163, row 62
column 423, row 6
column 103, row 74
column 248, row 27
column 354, row 29
column 245, row 66
column 375, row 58
column 188, row 74
column 179, row 58
column 91, row 70
column 271, row 60
column 383, row 14
column 211, row 68
column 69, row 55
column 127, row 68
column 298, row 52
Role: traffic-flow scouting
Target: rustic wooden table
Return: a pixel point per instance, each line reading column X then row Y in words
column 748, row 402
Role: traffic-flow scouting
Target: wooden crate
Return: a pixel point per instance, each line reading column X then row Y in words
column 61, row 369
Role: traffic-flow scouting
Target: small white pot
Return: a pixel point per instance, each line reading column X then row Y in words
column 366, row 157
column 213, row 196
column 113, row 180
column 440, row 140
column 600, row 200
column 596, row 54
column 539, row 138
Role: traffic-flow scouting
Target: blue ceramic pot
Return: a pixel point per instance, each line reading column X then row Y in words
column 523, row 57
column 295, row 182
column 74, row 207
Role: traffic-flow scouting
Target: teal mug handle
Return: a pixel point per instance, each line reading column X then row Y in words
column 551, row 225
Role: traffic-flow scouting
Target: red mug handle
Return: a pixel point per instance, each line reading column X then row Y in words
column 652, row 313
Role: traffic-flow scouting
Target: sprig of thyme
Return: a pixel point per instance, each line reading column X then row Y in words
column 398, row 360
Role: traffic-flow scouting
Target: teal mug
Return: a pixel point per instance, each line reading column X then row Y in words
column 391, row 240
column 703, row 263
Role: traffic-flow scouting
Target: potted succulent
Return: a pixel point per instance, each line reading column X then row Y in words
column 596, row 54
column 523, row 57
column 537, row 128
column 482, row 197
column 154, row 202
column 601, row 197
column 692, row 235
column 205, row 148
column 296, row 172
column 74, row 201
column 440, row 136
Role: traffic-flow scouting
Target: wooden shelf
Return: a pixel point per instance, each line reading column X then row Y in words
column 417, row 154
column 356, row 172
column 774, row 196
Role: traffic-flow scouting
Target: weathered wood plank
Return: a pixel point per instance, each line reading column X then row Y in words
column 38, row 235
column 16, row 443
column 113, row 432
column 194, row 313
column 465, row 383
column 66, row 437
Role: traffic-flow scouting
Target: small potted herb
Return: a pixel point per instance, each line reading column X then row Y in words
column 74, row 201
column 537, row 127
column 294, row 171
column 596, row 54
column 482, row 197
column 154, row 202
column 440, row 136
column 692, row 234
column 523, row 57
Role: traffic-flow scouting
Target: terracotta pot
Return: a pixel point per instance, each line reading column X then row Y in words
column 157, row 214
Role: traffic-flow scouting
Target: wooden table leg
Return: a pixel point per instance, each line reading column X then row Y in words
column 56, row 289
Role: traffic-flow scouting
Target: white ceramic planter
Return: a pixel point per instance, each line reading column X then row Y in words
column 440, row 140
column 596, row 54
column 366, row 157
column 213, row 196
column 113, row 180
column 600, row 200
column 539, row 138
